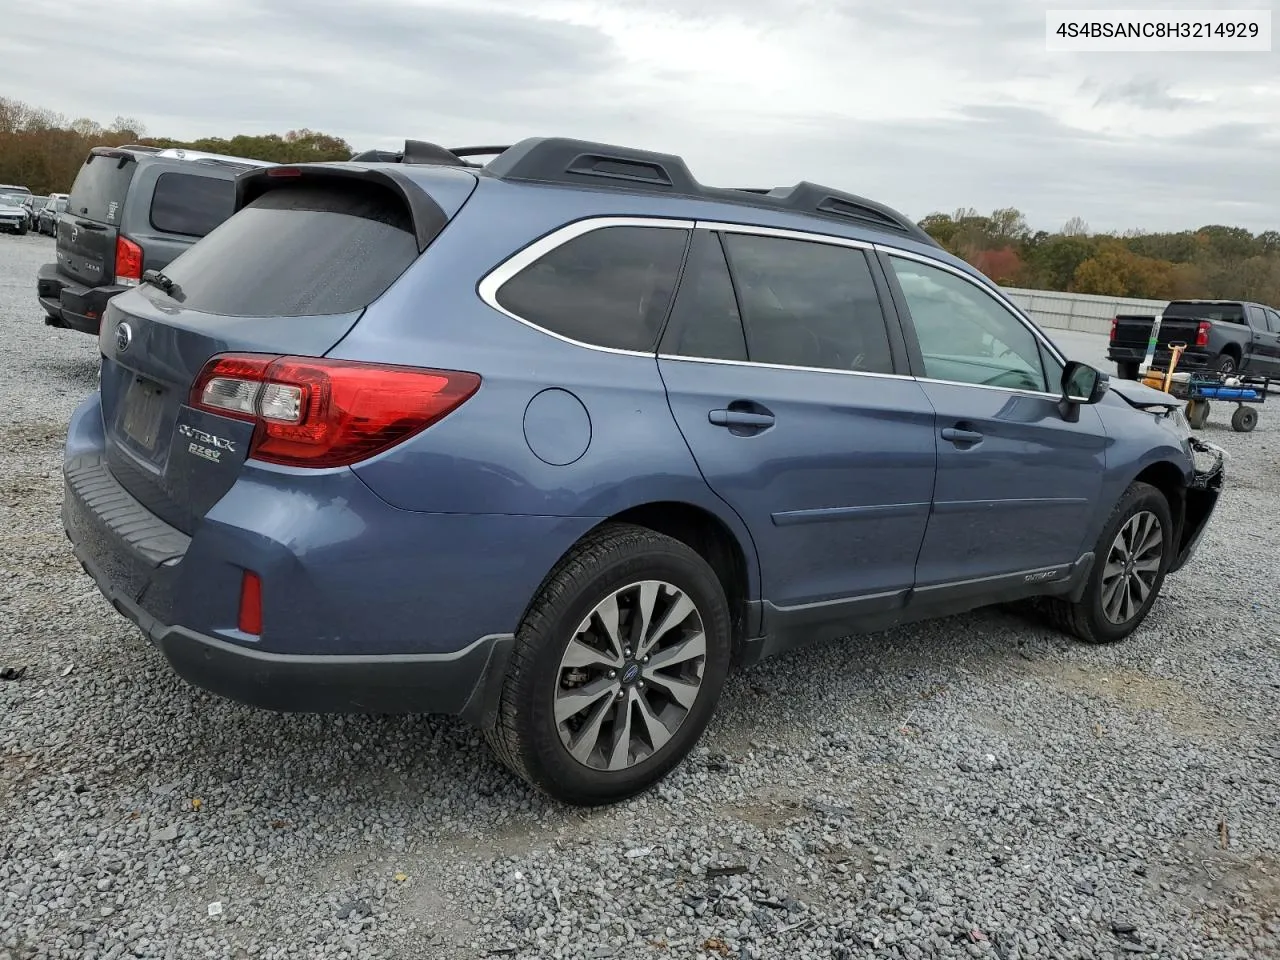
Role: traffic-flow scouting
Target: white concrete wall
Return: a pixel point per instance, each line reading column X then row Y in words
column 1078, row 311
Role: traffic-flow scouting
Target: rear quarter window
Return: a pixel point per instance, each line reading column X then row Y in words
column 100, row 188
column 299, row 251
column 191, row 205
column 610, row 287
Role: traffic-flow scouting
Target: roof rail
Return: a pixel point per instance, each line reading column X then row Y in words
column 562, row 160
column 567, row 161
column 138, row 146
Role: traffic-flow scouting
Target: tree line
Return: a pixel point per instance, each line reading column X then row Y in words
column 1212, row 262
column 44, row 151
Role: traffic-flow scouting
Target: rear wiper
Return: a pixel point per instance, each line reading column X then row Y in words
column 158, row 279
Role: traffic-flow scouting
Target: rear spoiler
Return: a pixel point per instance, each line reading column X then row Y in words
column 428, row 219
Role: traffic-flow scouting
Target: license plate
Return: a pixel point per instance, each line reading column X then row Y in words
column 143, row 407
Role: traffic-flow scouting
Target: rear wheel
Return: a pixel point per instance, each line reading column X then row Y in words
column 1244, row 419
column 1131, row 558
column 1225, row 364
column 1127, row 371
column 617, row 667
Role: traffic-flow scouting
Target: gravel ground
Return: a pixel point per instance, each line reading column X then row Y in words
column 973, row 787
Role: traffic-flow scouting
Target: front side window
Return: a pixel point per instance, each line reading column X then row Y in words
column 808, row 304
column 609, row 287
column 965, row 334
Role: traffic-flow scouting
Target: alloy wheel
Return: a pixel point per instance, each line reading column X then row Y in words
column 629, row 675
column 1132, row 567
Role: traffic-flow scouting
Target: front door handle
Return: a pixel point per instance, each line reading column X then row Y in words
column 740, row 418
column 956, row 435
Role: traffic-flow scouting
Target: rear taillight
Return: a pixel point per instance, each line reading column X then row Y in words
column 1202, row 334
column 1114, row 322
column 312, row 412
column 128, row 262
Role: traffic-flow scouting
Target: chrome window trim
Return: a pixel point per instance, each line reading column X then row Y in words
column 492, row 281
column 784, row 234
column 994, row 294
column 784, row 366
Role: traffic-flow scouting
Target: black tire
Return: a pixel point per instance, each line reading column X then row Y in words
column 1244, row 419
column 1197, row 413
column 1225, row 364
column 1127, row 370
column 526, row 738
column 1086, row 620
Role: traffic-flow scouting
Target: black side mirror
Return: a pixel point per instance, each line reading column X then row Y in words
column 1081, row 384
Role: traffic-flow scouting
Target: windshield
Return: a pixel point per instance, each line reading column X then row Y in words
column 11, row 199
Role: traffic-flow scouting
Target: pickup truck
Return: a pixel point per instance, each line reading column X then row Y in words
column 1222, row 336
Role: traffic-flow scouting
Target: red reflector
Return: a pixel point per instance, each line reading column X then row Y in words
column 313, row 412
column 251, row 604
column 1202, row 334
column 283, row 172
column 128, row 260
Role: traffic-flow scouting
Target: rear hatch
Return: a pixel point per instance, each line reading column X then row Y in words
column 288, row 275
column 88, row 228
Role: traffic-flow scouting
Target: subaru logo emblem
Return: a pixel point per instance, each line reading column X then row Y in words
column 124, row 337
column 629, row 675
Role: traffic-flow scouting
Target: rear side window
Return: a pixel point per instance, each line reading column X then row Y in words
column 299, row 251
column 100, row 188
column 610, row 287
column 807, row 304
column 704, row 321
column 1273, row 321
column 191, row 206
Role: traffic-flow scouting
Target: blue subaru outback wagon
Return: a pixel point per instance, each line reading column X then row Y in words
column 550, row 442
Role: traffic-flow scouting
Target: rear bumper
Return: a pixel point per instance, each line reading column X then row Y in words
column 127, row 551
column 78, row 306
column 465, row 684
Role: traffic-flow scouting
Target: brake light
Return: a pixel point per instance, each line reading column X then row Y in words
column 250, row 619
column 1202, row 334
column 128, row 262
column 313, row 412
column 1114, row 322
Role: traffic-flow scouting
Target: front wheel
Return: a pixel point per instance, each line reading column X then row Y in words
column 1130, row 561
column 617, row 667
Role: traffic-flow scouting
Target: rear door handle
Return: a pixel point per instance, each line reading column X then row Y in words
column 89, row 225
column 740, row 418
column 956, row 435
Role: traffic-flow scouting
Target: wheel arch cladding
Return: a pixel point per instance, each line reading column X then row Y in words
column 1170, row 480
column 711, row 538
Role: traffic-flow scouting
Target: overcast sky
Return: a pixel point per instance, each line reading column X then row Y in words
column 923, row 104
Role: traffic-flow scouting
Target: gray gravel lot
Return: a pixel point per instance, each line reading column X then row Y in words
column 974, row 787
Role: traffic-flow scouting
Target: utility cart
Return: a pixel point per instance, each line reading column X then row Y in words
column 1246, row 392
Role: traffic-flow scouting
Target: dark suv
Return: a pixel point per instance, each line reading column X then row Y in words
column 131, row 209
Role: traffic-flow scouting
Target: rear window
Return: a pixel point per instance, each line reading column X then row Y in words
column 299, row 251
column 100, row 188
column 1229, row 312
column 191, row 206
